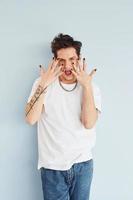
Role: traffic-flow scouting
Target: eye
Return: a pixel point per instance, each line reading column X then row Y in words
column 61, row 62
column 71, row 59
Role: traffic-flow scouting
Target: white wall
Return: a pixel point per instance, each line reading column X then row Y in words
column 26, row 30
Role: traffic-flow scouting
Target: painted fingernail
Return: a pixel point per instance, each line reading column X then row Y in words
column 53, row 58
column 95, row 69
column 40, row 66
column 83, row 58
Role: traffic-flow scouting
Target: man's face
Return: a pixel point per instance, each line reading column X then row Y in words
column 66, row 57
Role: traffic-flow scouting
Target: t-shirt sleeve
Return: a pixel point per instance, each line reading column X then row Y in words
column 97, row 97
column 34, row 87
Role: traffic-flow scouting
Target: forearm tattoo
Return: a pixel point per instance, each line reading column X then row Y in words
column 34, row 99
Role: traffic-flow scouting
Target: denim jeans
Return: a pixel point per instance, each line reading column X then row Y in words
column 71, row 184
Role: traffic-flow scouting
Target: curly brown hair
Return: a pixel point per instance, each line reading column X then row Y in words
column 65, row 41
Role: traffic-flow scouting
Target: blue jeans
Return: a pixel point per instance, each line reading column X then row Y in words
column 71, row 184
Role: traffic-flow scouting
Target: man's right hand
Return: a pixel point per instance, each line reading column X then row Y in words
column 48, row 76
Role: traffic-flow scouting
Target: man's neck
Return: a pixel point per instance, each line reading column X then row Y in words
column 67, row 81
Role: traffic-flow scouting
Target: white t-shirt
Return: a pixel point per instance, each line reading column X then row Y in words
column 62, row 138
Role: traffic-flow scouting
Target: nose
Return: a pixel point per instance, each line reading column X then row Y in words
column 68, row 65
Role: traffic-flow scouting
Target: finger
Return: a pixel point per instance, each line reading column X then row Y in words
column 74, row 68
column 57, row 69
column 84, row 64
column 75, row 73
column 51, row 64
column 59, row 74
column 80, row 65
column 93, row 72
column 55, row 64
column 42, row 70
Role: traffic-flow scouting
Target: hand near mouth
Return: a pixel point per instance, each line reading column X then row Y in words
column 80, row 73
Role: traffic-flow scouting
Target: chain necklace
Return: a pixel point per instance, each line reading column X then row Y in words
column 66, row 89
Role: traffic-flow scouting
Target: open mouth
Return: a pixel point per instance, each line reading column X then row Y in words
column 67, row 72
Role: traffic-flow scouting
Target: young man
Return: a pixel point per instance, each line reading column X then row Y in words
column 65, row 103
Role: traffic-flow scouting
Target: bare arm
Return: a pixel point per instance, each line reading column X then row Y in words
column 35, row 106
column 89, row 114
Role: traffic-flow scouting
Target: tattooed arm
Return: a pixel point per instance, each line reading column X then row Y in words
column 35, row 106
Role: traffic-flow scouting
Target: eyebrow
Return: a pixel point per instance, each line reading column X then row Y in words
column 64, row 59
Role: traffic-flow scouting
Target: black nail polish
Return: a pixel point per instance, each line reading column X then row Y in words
column 95, row 69
column 53, row 58
column 83, row 58
column 40, row 66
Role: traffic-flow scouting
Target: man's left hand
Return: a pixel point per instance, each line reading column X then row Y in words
column 80, row 73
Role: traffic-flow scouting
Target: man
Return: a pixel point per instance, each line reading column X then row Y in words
column 66, row 104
